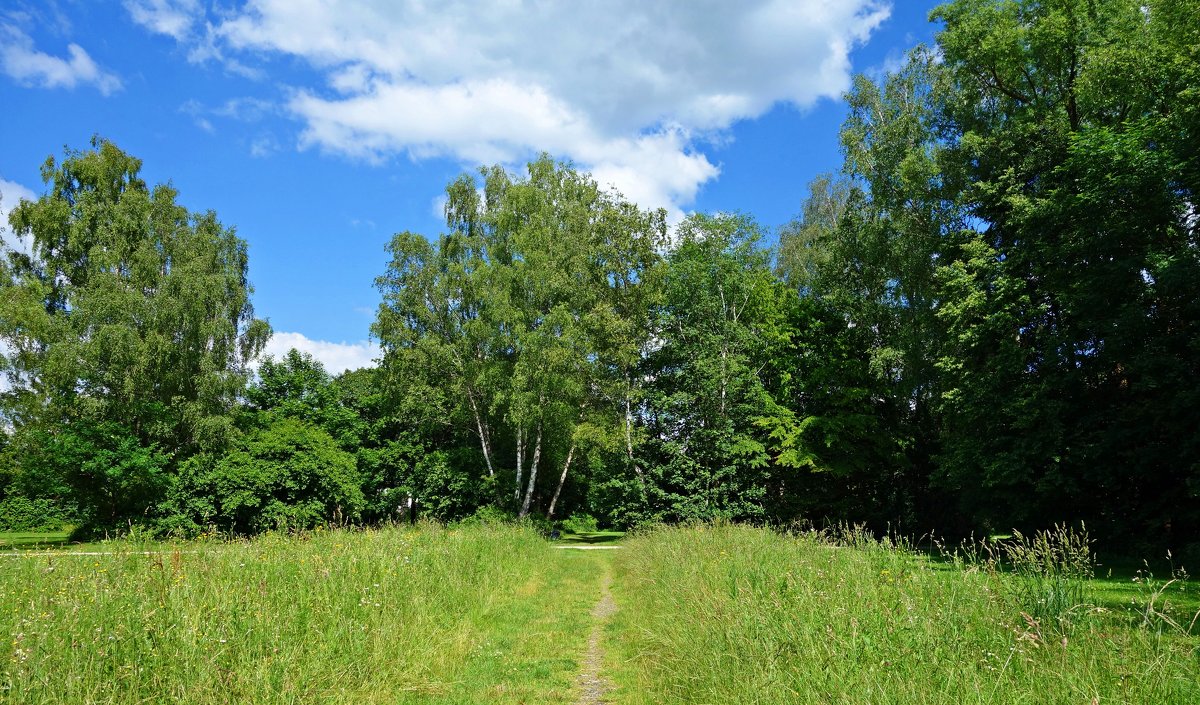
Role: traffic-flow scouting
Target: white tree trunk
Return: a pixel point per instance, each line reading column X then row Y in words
column 533, row 470
column 484, row 441
column 520, row 462
column 562, row 480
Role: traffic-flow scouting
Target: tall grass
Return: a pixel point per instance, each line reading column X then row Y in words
column 741, row 615
column 388, row 616
column 1051, row 574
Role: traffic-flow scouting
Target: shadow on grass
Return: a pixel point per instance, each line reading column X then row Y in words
column 33, row 540
column 1120, row 583
column 591, row 537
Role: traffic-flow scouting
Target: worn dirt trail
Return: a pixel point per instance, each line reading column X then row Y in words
column 593, row 686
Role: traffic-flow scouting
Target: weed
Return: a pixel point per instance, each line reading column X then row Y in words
column 1052, row 570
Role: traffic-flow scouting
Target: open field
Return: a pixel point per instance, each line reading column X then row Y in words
column 492, row 614
column 737, row 615
column 391, row 616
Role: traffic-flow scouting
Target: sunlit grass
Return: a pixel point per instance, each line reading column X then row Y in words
column 485, row 614
column 32, row 539
column 741, row 615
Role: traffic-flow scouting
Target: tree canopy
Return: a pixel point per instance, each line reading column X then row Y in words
column 988, row 318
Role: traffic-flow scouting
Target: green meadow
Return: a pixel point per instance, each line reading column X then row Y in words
column 498, row 614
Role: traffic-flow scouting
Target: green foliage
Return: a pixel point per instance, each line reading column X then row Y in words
column 523, row 322
column 491, row 515
column 286, row 475
column 297, row 386
column 718, row 312
column 580, row 523
column 130, row 309
column 20, row 513
column 1013, row 242
column 101, row 468
column 127, row 331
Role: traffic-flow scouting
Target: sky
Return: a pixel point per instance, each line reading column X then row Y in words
column 319, row 129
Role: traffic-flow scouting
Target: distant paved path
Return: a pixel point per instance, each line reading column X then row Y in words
column 31, row 554
column 592, row 548
column 593, row 686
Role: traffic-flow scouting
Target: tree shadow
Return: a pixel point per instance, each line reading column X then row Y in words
column 33, row 540
column 591, row 537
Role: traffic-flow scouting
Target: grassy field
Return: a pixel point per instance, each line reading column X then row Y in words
column 18, row 540
column 491, row 614
column 738, row 615
column 485, row 615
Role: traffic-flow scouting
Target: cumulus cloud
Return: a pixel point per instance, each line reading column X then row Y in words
column 627, row 89
column 11, row 194
column 171, row 17
column 22, row 62
column 337, row 357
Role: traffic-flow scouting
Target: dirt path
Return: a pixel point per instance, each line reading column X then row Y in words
column 592, row 685
column 589, row 548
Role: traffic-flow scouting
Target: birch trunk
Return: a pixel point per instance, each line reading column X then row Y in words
column 629, row 440
column 533, row 469
column 520, row 463
column 483, row 436
column 562, row 480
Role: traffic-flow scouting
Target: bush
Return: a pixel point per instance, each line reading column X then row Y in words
column 580, row 523
column 99, row 469
column 288, row 475
column 18, row 513
column 489, row 515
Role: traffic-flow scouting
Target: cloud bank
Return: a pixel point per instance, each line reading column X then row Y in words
column 337, row 357
column 626, row 89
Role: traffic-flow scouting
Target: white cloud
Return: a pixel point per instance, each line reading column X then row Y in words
column 337, row 357
column 245, row 109
column 28, row 66
column 264, row 146
column 626, row 89
column 11, row 194
column 171, row 17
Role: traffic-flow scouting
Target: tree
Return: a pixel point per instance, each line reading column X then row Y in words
column 512, row 323
column 129, row 308
column 1019, row 244
column 129, row 315
column 717, row 317
column 1075, row 294
column 297, row 386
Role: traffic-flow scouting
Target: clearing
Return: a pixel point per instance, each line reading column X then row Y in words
column 494, row 614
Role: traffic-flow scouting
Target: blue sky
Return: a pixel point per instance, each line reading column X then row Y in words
column 318, row 129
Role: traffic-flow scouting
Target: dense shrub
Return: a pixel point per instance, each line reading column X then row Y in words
column 19, row 513
column 287, row 475
column 580, row 523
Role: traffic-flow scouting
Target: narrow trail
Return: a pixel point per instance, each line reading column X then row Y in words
column 592, row 685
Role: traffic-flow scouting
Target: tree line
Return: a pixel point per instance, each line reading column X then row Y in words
column 988, row 318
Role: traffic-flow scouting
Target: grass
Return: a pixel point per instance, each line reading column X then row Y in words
column 32, row 539
column 487, row 614
column 494, row 614
column 739, row 615
column 591, row 537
